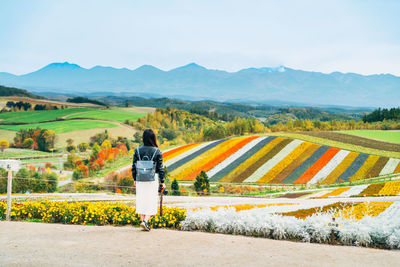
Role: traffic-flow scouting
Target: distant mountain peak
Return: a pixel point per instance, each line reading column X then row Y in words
column 147, row 68
column 190, row 66
column 64, row 65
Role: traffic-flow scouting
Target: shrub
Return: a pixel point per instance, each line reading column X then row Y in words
column 169, row 134
column 175, row 188
column 202, row 184
column 126, row 184
column 83, row 147
column 71, row 148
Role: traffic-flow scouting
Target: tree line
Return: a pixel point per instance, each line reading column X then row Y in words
column 382, row 114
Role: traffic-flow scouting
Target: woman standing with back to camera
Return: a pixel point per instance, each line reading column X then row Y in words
column 148, row 174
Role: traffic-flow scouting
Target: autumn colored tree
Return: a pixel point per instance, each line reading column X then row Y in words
column 3, row 145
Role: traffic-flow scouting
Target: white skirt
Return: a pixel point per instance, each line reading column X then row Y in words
column 147, row 197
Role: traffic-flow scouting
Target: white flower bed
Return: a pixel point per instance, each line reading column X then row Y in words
column 382, row 231
column 390, row 166
column 354, row 190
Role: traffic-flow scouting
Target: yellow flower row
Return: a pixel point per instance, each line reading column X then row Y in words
column 390, row 189
column 88, row 213
column 362, row 172
column 358, row 212
column 240, row 207
column 336, row 192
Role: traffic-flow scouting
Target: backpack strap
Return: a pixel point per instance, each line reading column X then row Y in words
column 155, row 152
column 138, row 152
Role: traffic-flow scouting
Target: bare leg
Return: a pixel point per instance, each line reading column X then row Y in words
column 142, row 217
column 146, row 218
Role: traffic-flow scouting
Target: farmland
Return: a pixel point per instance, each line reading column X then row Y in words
column 113, row 115
column 271, row 159
column 78, row 123
column 387, row 136
column 35, row 116
column 62, row 126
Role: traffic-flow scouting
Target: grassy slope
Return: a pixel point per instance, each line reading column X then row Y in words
column 34, row 116
column 113, row 114
column 388, row 136
column 23, row 153
column 342, row 145
column 63, row 126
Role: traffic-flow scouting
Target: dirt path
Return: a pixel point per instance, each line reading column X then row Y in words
column 37, row 244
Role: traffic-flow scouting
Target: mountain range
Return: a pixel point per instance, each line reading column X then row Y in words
column 258, row 85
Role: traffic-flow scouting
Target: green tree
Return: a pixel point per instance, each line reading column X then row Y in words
column 20, row 183
column 83, row 147
column 202, row 184
column 175, row 188
column 52, row 183
column 169, row 134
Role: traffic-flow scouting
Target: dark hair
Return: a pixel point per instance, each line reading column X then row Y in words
column 149, row 138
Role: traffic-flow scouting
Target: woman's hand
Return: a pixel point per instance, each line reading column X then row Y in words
column 134, row 183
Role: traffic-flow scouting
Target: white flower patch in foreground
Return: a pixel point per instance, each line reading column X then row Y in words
column 382, row 231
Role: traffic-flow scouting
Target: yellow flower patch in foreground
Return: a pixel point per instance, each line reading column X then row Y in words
column 88, row 213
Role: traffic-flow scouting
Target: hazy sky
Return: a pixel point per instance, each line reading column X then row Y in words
column 349, row 36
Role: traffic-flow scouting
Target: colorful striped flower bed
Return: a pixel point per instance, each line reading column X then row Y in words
column 332, row 208
column 371, row 190
column 336, row 192
column 273, row 160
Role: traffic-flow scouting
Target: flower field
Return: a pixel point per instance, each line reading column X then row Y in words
column 274, row 160
column 89, row 213
column 373, row 224
column 372, row 190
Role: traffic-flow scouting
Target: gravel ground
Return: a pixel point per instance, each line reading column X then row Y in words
column 38, row 244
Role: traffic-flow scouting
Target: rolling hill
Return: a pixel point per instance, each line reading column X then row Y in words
column 192, row 80
column 273, row 159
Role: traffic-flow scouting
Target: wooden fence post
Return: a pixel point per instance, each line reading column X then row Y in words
column 9, row 189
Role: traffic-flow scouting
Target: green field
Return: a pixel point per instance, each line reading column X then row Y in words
column 34, row 116
column 22, row 153
column 111, row 114
column 62, row 126
column 387, row 136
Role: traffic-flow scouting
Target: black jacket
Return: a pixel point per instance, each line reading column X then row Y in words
column 158, row 159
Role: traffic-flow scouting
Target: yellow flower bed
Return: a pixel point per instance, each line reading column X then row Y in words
column 336, row 192
column 390, row 189
column 362, row 172
column 88, row 213
column 185, row 170
column 269, row 176
column 241, row 207
column 358, row 212
column 250, row 161
column 341, row 168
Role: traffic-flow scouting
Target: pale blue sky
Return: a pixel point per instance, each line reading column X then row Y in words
column 349, row 36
